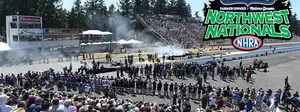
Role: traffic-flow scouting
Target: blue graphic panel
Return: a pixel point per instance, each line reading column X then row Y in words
column 231, row 2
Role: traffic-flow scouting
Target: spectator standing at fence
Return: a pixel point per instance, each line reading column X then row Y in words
column 118, row 73
column 242, row 106
column 194, row 91
column 277, row 96
column 81, row 88
column 235, row 100
column 212, row 102
column 220, row 103
column 87, row 89
column 159, row 86
column 174, row 101
column 285, row 96
column 150, row 85
column 205, row 76
column 249, row 105
column 171, row 88
column 190, row 88
column 154, row 87
column 166, row 89
column 142, row 71
column 199, row 88
column 204, row 101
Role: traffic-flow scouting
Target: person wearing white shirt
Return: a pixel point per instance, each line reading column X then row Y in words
column 212, row 102
column 3, row 106
column 87, row 90
column 66, row 107
column 212, row 94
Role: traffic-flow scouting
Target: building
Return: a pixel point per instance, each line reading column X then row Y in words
column 25, row 35
column 28, row 32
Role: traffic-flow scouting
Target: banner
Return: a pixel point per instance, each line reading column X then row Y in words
column 29, row 19
column 30, row 31
column 73, row 31
column 53, row 31
column 107, row 82
column 62, row 31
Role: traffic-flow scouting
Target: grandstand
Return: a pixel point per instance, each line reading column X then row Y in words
column 187, row 33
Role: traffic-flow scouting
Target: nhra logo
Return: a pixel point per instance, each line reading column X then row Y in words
column 247, row 26
column 247, row 2
column 247, row 43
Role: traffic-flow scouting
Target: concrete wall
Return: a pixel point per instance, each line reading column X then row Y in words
column 17, row 45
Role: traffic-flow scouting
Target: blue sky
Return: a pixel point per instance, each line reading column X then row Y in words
column 197, row 5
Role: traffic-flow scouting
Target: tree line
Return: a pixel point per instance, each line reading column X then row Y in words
column 92, row 14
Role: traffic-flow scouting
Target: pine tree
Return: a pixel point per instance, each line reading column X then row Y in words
column 97, row 15
column 205, row 10
column 182, row 9
column 145, row 7
column 171, row 7
column 197, row 14
column 137, row 7
column 77, row 16
column 160, row 7
column 111, row 9
column 125, row 7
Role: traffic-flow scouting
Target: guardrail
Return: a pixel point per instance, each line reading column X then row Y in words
column 237, row 57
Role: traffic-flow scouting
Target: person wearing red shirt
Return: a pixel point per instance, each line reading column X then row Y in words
column 220, row 103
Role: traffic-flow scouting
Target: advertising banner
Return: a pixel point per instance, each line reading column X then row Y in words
column 30, row 31
column 247, row 22
column 62, row 31
column 29, row 19
column 53, row 31
column 73, row 31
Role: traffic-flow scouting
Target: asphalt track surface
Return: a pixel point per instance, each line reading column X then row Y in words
column 281, row 65
column 262, row 50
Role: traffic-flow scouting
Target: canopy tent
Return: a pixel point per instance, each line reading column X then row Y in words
column 97, row 43
column 95, row 32
column 4, row 47
column 83, row 44
column 106, row 33
column 132, row 41
column 123, row 41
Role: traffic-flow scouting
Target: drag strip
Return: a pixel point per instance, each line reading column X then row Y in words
column 251, row 54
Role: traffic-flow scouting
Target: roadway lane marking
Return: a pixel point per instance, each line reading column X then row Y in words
column 292, row 57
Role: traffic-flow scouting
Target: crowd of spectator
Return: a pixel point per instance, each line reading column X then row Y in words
column 34, row 92
column 177, row 30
